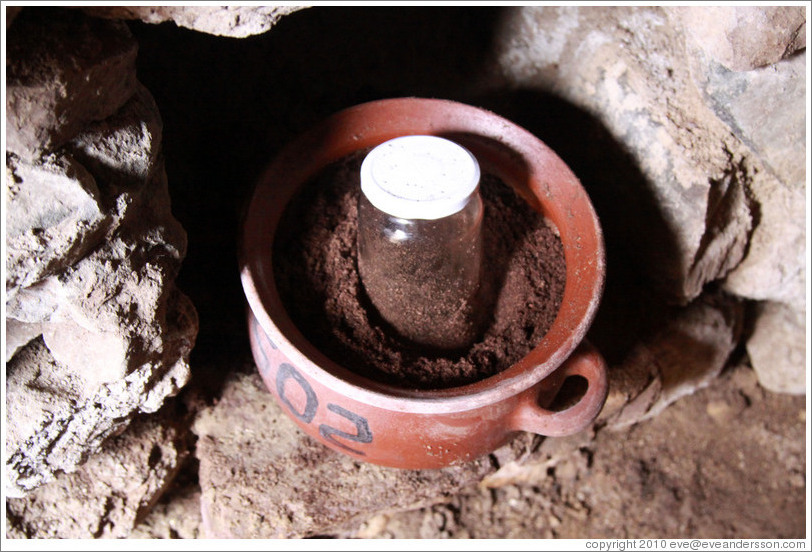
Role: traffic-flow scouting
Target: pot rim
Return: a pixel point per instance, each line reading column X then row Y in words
column 516, row 155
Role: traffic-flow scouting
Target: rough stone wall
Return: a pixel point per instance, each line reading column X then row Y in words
column 708, row 105
column 110, row 493
column 96, row 331
column 233, row 21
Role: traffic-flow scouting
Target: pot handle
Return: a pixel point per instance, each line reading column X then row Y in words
column 586, row 362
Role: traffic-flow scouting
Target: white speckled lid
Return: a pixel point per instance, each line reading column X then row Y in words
column 419, row 177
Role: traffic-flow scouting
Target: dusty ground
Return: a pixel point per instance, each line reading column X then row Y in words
column 726, row 462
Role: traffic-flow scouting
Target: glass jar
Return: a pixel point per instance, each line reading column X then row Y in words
column 420, row 239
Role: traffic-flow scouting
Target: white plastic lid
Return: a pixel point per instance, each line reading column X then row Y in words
column 419, row 177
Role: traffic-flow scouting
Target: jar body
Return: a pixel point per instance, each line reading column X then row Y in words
column 424, row 276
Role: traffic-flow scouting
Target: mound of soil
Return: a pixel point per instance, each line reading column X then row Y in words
column 316, row 271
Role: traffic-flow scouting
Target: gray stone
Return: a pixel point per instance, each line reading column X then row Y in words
column 18, row 334
column 122, row 151
column 261, row 477
column 54, row 216
column 110, row 308
column 233, row 21
column 744, row 37
column 106, row 315
column 94, row 329
column 93, row 251
column 774, row 268
column 85, row 307
column 696, row 223
column 766, row 109
column 777, row 348
column 58, row 418
column 728, row 227
column 63, row 71
column 774, row 271
column 113, row 490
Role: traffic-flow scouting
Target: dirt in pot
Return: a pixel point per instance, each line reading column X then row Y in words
column 316, row 271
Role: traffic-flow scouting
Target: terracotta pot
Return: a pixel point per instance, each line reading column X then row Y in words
column 428, row 429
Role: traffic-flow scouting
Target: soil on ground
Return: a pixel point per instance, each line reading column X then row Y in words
column 726, row 462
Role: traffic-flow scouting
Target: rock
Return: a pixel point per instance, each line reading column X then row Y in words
column 115, row 299
column 774, row 272
column 86, row 308
column 261, row 477
column 682, row 207
column 744, row 37
column 54, row 216
column 775, row 266
column 18, row 334
column 67, row 203
column 105, row 315
column 777, row 348
column 726, row 411
column 373, row 527
column 59, row 418
column 109, row 494
column 123, row 150
column 107, row 347
column 766, row 109
column 728, row 225
column 93, row 247
column 686, row 355
column 233, row 21
column 63, row 71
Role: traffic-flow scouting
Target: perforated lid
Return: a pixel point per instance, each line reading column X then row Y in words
column 419, row 177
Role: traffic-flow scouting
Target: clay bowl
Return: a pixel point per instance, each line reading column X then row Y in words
column 406, row 428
